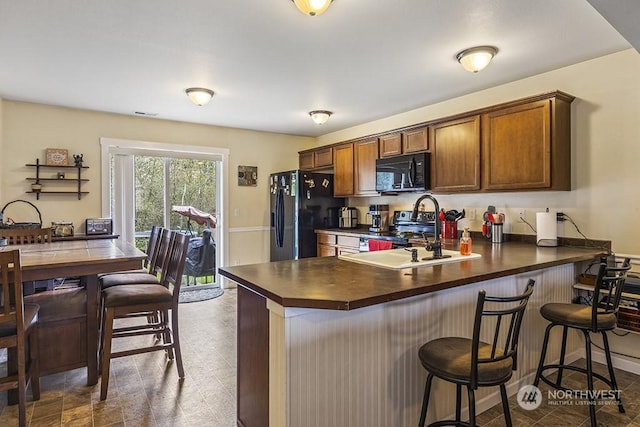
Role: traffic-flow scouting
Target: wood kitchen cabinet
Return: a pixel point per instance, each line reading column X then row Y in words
column 319, row 158
column 354, row 167
column 528, row 146
column 365, row 156
column 332, row 244
column 326, row 244
column 455, row 148
column 343, row 162
column 405, row 142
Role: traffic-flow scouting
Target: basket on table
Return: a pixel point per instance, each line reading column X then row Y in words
column 4, row 224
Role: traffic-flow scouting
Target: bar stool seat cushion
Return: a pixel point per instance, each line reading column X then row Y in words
column 450, row 358
column 119, row 296
column 30, row 318
column 576, row 316
column 128, row 279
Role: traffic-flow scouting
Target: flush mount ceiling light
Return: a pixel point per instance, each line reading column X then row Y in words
column 476, row 58
column 320, row 116
column 199, row 95
column 312, row 7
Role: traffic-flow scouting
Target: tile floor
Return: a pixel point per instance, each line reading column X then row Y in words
column 144, row 390
column 143, row 393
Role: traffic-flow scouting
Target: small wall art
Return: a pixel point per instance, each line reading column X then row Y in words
column 248, row 176
column 57, row 156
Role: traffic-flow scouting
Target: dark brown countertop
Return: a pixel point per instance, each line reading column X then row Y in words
column 335, row 284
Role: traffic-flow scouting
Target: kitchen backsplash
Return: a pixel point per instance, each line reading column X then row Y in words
column 511, row 204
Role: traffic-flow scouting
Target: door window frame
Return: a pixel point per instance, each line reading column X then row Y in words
column 124, row 195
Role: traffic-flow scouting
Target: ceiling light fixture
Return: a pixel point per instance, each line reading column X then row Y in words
column 476, row 58
column 199, row 95
column 320, row 116
column 312, row 7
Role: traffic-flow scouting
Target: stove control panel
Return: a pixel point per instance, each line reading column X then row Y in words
column 424, row 217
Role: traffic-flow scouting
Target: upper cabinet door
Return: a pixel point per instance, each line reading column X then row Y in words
column 410, row 141
column 366, row 153
column 455, row 148
column 305, row 160
column 323, row 157
column 517, row 147
column 415, row 140
column 343, row 162
column 319, row 158
column 391, row 145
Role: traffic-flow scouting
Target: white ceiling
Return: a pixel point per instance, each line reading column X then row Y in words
column 270, row 65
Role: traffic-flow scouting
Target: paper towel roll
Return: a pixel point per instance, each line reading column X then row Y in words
column 546, row 229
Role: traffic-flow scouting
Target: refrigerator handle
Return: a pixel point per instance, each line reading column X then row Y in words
column 279, row 219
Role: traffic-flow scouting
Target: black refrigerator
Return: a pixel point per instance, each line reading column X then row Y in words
column 301, row 202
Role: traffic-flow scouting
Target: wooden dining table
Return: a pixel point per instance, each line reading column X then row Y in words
column 84, row 259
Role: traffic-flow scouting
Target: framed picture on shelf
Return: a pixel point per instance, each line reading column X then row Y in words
column 57, row 156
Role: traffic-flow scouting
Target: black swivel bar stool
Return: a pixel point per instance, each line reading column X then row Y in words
column 600, row 317
column 474, row 363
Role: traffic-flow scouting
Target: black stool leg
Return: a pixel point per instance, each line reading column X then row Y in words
column 425, row 400
column 543, row 354
column 472, row 407
column 563, row 350
column 505, row 405
column 458, row 402
column 592, row 404
column 612, row 375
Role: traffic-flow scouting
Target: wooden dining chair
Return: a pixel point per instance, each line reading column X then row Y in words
column 155, row 265
column 151, row 252
column 25, row 236
column 120, row 302
column 29, row 236
column 18, row 333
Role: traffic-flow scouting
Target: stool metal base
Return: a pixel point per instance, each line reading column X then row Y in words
column 588, row 371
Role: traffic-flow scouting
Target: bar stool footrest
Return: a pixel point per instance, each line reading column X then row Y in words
column 582, row 370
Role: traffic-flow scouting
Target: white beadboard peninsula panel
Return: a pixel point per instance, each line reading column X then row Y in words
column 360, row 368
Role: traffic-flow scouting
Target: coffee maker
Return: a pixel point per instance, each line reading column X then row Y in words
column 379, row 218
column 348, row 217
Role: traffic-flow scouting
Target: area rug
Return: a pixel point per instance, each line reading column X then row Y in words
column 199, row 293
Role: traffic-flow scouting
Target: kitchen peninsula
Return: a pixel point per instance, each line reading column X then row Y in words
column 327, row 342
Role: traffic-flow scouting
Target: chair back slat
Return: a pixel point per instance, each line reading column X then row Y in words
column 174, row 264
column 11, row 284
column 608, row 290
column 26, row 236
column 504, row 344
column 152, row 246
column 159, row 256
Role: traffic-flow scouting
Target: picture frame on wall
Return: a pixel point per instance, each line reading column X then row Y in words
column 248, row 176
column 57, row 157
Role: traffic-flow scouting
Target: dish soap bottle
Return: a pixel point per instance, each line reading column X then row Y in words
column 465, row 242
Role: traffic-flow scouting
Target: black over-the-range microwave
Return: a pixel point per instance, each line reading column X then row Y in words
column 409, row 172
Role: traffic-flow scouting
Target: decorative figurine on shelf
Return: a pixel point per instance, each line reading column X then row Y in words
column 77, row 158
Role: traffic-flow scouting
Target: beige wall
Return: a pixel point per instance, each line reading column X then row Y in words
column 605, row 202
column 2, row 157
column 27, row 130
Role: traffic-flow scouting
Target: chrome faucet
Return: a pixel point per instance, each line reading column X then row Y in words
column 436, row 244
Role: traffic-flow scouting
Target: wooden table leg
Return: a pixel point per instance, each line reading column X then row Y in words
column 91, row 286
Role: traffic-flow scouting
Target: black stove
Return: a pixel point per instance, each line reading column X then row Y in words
column 406, row 228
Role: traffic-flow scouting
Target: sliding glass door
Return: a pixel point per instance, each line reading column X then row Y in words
column 145, row 185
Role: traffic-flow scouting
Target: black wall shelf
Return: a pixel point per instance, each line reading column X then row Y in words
column 78, row 180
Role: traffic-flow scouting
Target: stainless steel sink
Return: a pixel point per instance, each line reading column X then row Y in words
column 401, row 258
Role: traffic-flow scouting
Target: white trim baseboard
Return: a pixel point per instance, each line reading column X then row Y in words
column 248, row 229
